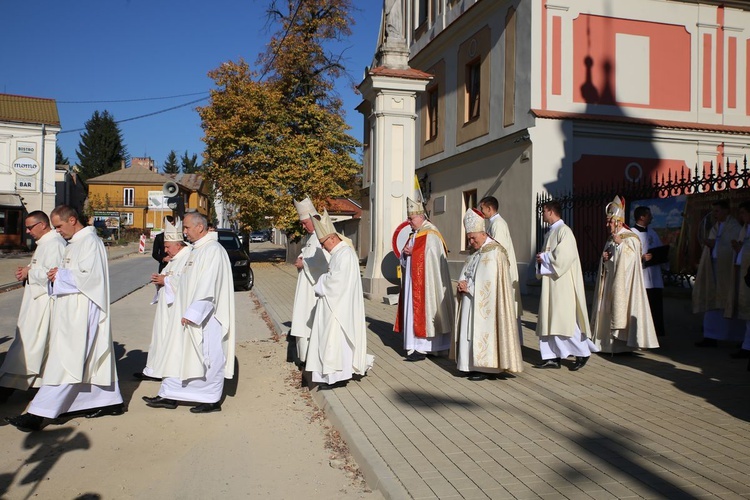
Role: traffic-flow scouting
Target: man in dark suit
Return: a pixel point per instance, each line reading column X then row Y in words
column 158, row 253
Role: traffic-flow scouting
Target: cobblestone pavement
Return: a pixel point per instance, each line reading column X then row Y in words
column 669, row 423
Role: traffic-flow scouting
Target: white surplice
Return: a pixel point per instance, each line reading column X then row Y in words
column 167, row 329
column 315, row 264
column 205, row 355
column 338, row 341
column 23, row 363
column 80, row 371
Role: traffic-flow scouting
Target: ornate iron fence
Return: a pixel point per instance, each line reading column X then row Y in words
column 583, row 210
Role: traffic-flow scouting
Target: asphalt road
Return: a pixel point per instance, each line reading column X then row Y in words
column 126, row 275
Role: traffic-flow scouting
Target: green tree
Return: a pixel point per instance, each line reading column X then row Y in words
column 269, row 142
column 100, row 149
column 60, row 158
column 170, row 164
column 190, row 163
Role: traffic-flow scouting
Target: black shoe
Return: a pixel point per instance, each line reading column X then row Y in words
column 328, row 387
column 160, row 402
column 580, row 363
column 550, row 363
column 416, row 356
column 740, row 354
column 26, row 422
column 707, row 343
column 206, row 408
column 143, row 376
column 478, row 376
column 105, row 411
column 5, row 393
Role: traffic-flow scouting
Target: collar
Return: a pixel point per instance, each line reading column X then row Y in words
column 640, row 228
column 210, row 236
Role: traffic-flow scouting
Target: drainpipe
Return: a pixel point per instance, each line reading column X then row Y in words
column 41, row 181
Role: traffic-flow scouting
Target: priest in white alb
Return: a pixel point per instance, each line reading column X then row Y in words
column 198, row 364
column 713, row 293
column 563, row 320
column 311, row 264
column 498, row 230
column 167, row 331
column 338, row 340
column 23, row 363
column 486, row 344
column 80, row 373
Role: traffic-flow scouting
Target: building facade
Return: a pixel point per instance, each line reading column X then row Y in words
column 28, row 139
column 533, row 96
column 137, row 195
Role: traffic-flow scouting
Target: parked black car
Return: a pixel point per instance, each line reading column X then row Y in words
column 241, row 270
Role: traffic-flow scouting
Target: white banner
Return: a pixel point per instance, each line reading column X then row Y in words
column 157, row 201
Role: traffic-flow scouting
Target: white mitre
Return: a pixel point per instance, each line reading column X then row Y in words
column 323, row 227
column 473, row 221
column 173, row 232
column 305, row 208
column 414, row 207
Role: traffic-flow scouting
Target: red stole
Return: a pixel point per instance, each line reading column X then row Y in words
column 417, row 288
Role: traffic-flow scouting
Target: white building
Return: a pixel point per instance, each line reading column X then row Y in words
column 28, row 136
column 511, row 98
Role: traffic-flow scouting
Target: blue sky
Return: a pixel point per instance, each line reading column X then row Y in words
column 116, row 50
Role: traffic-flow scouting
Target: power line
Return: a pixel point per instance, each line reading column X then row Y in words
column 141, row 116
column 104, row 101
column 133, row 100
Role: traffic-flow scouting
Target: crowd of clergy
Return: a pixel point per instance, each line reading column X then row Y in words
column 63, row 343
column 481, row 328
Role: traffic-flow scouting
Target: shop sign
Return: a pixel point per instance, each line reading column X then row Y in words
column 26, row 183
column 26, row 166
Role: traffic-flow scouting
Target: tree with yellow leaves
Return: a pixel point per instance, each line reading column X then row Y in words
column 270, row 140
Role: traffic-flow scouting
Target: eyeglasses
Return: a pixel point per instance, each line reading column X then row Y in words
column 29, row 228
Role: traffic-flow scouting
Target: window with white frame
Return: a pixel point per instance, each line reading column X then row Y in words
column 128, row 196
column 126, row 218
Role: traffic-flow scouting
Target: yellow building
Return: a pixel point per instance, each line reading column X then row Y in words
column 136, row 193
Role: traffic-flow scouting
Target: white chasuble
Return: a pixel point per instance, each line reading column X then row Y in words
column 205, row 296
column 167, row 330
column 487, row 336
column 621, row 317
column 79, row 352
column 338, row 341
column 715, row 269
column 80, row 371
column 315, row 264
column 23, row 363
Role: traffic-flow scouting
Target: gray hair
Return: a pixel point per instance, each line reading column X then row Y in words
column 197, row 218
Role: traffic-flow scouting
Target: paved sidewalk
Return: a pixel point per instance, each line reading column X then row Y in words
column 670, row 423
